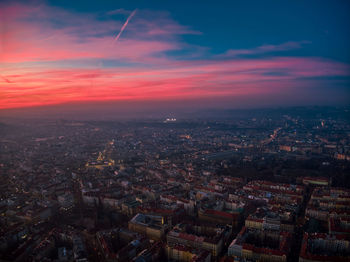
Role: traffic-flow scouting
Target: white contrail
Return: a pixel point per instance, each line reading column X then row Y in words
column 125, row 24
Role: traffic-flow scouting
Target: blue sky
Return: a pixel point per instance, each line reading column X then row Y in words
column 248, row 24
column 227, row 52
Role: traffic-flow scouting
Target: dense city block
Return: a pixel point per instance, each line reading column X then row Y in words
column 267, row 185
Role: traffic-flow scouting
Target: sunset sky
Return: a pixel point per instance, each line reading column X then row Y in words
column 215, row 53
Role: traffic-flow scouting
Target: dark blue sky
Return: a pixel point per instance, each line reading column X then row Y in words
column 248, row 24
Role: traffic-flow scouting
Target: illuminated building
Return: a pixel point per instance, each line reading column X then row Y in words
column 151, row 226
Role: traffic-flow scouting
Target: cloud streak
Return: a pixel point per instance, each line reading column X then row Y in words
column 185, row 80
column 5, row 79
column 265, row 49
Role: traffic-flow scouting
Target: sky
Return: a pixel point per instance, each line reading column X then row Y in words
column 173, row 54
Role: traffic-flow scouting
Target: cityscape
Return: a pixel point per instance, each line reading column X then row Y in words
column 272, row 187
column 174, row 131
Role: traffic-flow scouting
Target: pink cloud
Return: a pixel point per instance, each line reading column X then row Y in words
column 80, row 37
column 265, row 49
column 190, row 80
column 33, row 71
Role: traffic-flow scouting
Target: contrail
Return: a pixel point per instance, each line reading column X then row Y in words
column 125, row 24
